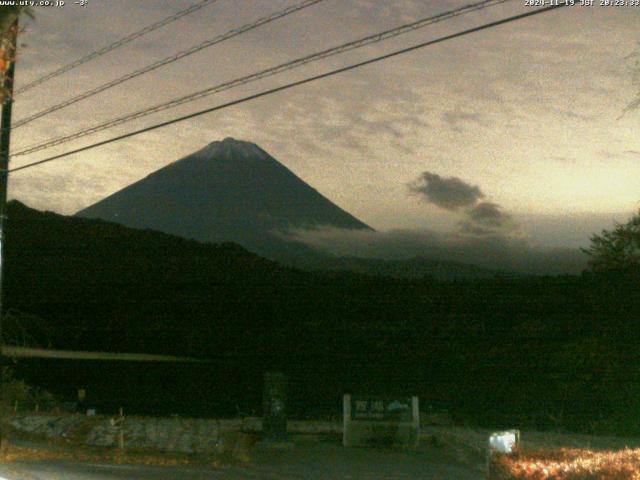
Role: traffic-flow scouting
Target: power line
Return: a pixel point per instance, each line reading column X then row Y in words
column 295, row 84
column 26, row 352
column 166, row 61
column 116, row 44
column 362, row 42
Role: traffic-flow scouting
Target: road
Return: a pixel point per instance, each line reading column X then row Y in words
column 313, row 461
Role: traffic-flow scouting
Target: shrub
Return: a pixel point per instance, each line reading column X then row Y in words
column 14, row 391
column 567, row 464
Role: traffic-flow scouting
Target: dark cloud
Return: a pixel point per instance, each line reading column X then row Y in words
column 479, row 218
column 487, row 218
column 403, row 148
column 456, row 119
column 449, row 193
column 575, row 115
column 489, row 251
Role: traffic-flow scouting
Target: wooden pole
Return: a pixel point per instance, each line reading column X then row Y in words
column 5, row 137
column 11, row 43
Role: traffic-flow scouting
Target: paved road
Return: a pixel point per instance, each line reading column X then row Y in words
column 317, row 461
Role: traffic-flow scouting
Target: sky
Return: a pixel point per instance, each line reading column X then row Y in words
column 523, row 125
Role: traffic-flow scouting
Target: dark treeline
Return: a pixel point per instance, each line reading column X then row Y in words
column 546, row 352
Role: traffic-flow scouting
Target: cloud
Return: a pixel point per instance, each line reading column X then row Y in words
column 449, row 193
column 487, row 218
column 576, row 116
column 456, row 119
column 490, row 251
column 33, row 188
column 479, row 218
column 562, row 159
column 366, row 128
column 487, row 236
column 609, row 155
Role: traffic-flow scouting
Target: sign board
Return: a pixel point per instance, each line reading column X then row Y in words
column 381, row 421
column 381, row 409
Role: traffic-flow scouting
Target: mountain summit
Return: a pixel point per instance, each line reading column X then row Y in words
column 228, row 191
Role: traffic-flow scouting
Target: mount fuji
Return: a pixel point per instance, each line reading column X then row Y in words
column 229, row 191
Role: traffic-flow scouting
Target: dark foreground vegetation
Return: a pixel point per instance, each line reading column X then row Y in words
column 546, row 352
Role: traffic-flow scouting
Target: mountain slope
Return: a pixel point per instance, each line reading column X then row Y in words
column 104, row 286
column 228, row 191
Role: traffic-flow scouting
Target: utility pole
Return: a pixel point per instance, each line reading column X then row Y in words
column 10, row 41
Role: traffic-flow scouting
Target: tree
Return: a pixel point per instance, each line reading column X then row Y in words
column 8, row 36
column 9, row 14
column 616, row 250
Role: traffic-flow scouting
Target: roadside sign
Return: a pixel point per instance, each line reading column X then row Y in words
column 381, row 409
column 381, row 421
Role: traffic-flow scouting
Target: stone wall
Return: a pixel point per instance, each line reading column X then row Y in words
column 186, row 435
column 176, row 434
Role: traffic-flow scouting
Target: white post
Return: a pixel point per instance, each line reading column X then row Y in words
column 504, row 443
